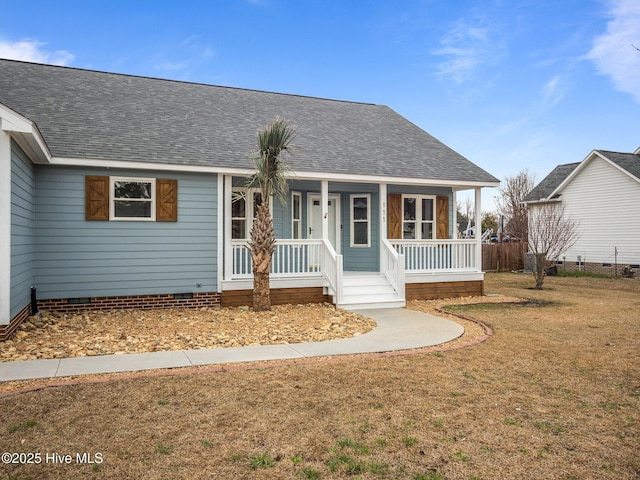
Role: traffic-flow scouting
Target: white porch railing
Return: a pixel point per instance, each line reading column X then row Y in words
column 332, row 268
column 392, row 266
column 431, row 256
column 293, row 258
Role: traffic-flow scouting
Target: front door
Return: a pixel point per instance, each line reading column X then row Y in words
column 315, row 218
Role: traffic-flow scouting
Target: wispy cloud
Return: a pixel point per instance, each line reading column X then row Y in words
column 464, row 48
column 613, row 53
column 30, row 50
column 554, row 91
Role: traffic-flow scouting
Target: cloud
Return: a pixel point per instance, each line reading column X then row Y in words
column 554, row 91
column 613, row 53
column 465, row 48
column 31, row 51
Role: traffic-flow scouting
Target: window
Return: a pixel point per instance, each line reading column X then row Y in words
column 418, row 217
column 360, row 224
column 238, row 217
column 241, row 203
column 132, row 198
column 296, row 215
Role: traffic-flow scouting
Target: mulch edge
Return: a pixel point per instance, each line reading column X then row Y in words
column 258, row 365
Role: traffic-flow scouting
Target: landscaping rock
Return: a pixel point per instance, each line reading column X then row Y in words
column 63, row 335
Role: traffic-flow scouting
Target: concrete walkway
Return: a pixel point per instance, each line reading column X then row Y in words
column 397, row 329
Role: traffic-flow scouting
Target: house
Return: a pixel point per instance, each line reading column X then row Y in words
column 602, row 194
column 118, row 191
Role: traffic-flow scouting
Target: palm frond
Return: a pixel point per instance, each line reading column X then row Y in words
column 271, row 168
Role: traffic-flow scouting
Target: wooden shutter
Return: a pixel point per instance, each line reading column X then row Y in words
column 96, row 198
column 166, row 200
column 394, row 215
column 442, row 217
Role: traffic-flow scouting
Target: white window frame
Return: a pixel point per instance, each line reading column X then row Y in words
column 353, row 221
column 112, row 199
column 418, row 220
column 296, row 224
column 249, row 208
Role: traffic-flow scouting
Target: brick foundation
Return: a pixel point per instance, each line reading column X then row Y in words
column 133, row 301
column 7, row 330
column 599, row 268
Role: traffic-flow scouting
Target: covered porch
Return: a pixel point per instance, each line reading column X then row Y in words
column 355, row 244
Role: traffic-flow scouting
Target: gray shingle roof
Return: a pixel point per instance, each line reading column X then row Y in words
column 627, row 161
column 551, row 182
column 96, row 115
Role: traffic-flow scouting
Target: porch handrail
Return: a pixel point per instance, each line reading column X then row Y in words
column 431, row 256
column 291, row 258
column 393, row 267
column 332, row 270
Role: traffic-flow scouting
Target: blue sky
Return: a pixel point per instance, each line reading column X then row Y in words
column 508, row 84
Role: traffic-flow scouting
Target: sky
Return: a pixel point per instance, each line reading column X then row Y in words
column 511, row 85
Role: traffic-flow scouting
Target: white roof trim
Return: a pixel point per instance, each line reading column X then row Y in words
column 588, row 159
column 300, row 175
column 25, row 133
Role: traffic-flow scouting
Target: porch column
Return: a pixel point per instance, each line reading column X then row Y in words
column 478, row 228
column 324, row 201
column 382, row 192
column 228, row 249
column 220, row 229
column 455, row 215
column 5, row 228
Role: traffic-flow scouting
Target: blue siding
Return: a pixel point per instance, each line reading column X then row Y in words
column 359, row 259
column 355, row 258
column 22, row 228
column 77, row 258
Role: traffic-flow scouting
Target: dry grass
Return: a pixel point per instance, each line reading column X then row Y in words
column 554, row 394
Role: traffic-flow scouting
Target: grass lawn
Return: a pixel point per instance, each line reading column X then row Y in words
column 554, row 394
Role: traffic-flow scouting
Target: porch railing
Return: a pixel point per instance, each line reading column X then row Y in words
column 293, row 258
column 392, row 265
column 290, row 258
column 332, row 268
column 431, row 256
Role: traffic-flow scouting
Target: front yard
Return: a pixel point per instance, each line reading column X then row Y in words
column 554, row 394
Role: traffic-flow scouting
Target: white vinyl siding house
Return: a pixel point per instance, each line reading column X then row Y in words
column 602, row 194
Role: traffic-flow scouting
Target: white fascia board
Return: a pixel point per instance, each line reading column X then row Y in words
column 615, row 165
column 573, row 174
column 588, row 159
column 543, row 200
column 129, row 165
column 25, row 133
column 298, row 175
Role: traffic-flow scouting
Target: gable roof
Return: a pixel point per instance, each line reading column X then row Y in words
column 551, row 186
column 549, row 183
column 84, row 114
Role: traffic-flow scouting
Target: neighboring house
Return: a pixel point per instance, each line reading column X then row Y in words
column 602, row 194
column 118, row 190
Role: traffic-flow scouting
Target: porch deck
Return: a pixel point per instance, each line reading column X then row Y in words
column 420, row 266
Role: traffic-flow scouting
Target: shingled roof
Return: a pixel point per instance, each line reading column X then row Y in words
column 84, row 114
column 551, row 182
column 546, row 188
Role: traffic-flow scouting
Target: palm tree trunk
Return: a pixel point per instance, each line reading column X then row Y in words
column 262, row 245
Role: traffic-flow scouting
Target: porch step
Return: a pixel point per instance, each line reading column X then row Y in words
column 368, row 291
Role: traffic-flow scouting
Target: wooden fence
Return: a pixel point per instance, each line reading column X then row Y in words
column 503, row 257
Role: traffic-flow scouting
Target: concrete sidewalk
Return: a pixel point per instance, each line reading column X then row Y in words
column 397, row 329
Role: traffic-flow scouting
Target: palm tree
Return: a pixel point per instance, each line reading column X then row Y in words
column 270, row 180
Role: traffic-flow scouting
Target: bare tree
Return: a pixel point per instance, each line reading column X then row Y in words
column 512, row 192
column 551, row 233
